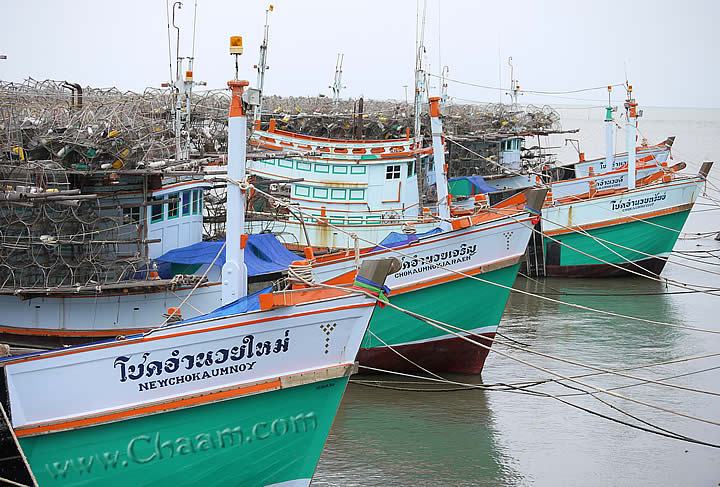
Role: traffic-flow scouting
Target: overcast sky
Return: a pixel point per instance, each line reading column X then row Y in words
column 669, row 49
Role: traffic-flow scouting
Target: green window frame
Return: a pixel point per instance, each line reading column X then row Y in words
column 269, row 161
column 340, row 169
column 355, row 220
column 302, row 191
column 201, row 193
column 185, row 203
column 157, row 212
column 373, row 220
column 173, row 206
column 410, row 168
column 285, row 163
column 323, row 168
column 304, row 166
column 356, row 194
column 195, row 201
column 338, row 194
column 358, row 169
column 337, row 221
column 320, row 193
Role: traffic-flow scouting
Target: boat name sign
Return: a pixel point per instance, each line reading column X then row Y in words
column 247, row 348
column 636, row 203
column 416, row 265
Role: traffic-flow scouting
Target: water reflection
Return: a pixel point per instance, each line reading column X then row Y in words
column 554, row 327
column 414, row 438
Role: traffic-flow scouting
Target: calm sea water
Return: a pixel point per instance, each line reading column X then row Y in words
column 470, row 437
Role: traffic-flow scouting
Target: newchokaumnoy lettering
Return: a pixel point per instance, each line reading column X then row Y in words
column 200, row 362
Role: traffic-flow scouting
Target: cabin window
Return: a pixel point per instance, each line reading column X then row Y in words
column 322, row 168
column 196, row 201
column 358, row 169
column 157, row 212
column 285, row 163
column 304, row 166
column 320, row 193
column 173, row 206
column 338, row 194
column 201, row 195
column 302, row 190
column 131, row 214
column 411, row 168
column 340, row 169
column 392, row 172
column 356, row 194
column 186, row 196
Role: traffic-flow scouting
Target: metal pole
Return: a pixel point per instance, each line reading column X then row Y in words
column 441, row 182
column 631, row 130
column 234, row 271
column 609, row 134
column 262, row 64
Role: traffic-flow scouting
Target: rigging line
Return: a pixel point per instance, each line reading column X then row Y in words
column 599, row 369
column 676, row 376
column 440, row 325
column 402, row 356
column 603, row 241
column 445, row 381
column 657, row 431
column 611, row 393
column 444, row 327
column 707, row 289
column 527, row 91
column 615, row 295
column 578, row 199
column 541, row 175
column 523, row 383
column 197, row 284
column 642, row 421
column 496, row 284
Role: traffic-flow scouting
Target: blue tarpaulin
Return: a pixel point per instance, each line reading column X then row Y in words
column 395, row 239
column 251, row 302
column 264, row 254
column 478, row 183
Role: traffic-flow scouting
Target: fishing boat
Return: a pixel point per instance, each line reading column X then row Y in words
column 616, row 216
column 463, row 256
column 243, row 395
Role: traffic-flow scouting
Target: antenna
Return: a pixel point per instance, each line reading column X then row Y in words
column 181, row 87
column 261, row 66
column 514, row 85
column 337, row 83
column 443, row 85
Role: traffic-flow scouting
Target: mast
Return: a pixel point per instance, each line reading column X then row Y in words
column 440, row 166
column 234, row 271
column 337, row 83
column 178, row 85
column 262, row 63
column 419, row 90
column 631, row 136
column 609, row 134
column 182, row 89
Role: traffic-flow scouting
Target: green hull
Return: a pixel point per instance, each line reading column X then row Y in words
column 465, row 303
column 640, row 235
column 255, row 440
